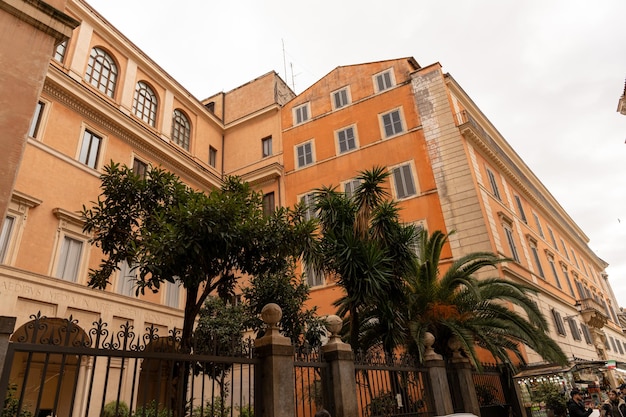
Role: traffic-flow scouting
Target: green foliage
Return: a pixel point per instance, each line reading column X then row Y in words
column 364, row 246
column 553, row 396
column 246, row 411
column 283, row 288
column 151, row 409
column 110, row 408
column 486, row 394
column 383, row 405
column 11, row 404
column 217, row 408
column 171, row 232
column 456, row 305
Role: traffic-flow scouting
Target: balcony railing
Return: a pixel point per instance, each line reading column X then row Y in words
column 593, row 313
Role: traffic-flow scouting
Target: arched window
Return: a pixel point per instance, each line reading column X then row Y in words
column 181, row 129
column 145, row 103
column 101, row 71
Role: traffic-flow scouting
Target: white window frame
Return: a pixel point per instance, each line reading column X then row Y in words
column 301, row 113
column 493, row 182
column 306, row 199
column 381, row 120
column 212, row 157
column 126, row 279
column 350, row 186
column 313, row 279
column 171, row 298
column 302, row 145
column 407, row 192
column 101, row 149
column 333, row 98
column 381, row 76
column 354, row 138
column 71, row 227
column 267, row 144
column 39, row 120
column 18, row 210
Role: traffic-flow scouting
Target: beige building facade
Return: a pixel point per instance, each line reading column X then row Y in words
column 102, row 99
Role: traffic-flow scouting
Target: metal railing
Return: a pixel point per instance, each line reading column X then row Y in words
column 391, row 385
column 55, row 367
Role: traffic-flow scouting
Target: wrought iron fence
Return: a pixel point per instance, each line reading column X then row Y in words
column 391, row 385
column 311, row 381
column 56, row 368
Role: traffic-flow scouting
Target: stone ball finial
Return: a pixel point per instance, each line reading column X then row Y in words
column 271, row 314
column 455, row 346
column 334, row 325
column 429, row 353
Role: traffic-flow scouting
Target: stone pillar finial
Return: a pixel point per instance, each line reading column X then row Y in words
column 334, row 325
column 429, row 351
column 271, row 315
column 455, row 346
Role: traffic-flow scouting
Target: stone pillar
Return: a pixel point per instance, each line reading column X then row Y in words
column 274, row 381
column 437, row 378
column 463, row 369
column 7, row 327
column 29, row 30
column 340, row 358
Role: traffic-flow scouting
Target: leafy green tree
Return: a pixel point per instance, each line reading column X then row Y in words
column 201, row 241
column 363, row 244
column 283, row 288
column 455, row 304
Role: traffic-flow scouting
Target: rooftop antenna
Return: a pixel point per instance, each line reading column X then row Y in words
column 293, row 79
column 284, row 60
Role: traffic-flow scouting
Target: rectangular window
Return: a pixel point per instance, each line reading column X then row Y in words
column 403, row 181
column 575, row 258
column 581, row 290
column 266, row 145
column 569, row 282
column 350, row 186
column 346, row 140
column 556, row 275
column 268, row 204
column 69, row 259
column 140, row 168
column 340, row 98
column 90, row 149
column 558, row 322
column 586, row 333
column 313, row 278
column 301, row 114
column 35, row 124
column 494, row 184
column 552, row 238
column 384, row 81
column 212, row 156
column 564, row 249
column 126, row 279
column 533, row 248
column 308, row 200
column 510, row 239
column 5, row 235
column 573, row 328
column 172, row 293
column 606, row 342
column 619, row 346
column 305, row 154
column 538, row 224
column 392, row 123
column 613, row 344
column 520, row 208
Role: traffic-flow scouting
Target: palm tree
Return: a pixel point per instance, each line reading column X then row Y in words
column 363, row 245
column 457, row 305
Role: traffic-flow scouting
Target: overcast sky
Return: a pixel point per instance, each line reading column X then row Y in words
column 548, row 74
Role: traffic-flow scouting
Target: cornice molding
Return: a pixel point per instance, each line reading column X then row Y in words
column 103, row 113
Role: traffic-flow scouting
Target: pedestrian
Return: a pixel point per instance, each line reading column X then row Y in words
column 576, row 405
column 622, row 390
column 614, row 406
column 324, row 413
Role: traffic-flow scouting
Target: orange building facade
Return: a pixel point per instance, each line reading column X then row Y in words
column 103, row 99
